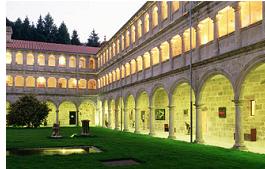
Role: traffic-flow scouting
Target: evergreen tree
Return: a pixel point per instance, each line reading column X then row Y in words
column 17, row 29
column 75, row 39
column 26, row 33
column 63, row 35
column 49, row 28
column 93, row 39
column 39, row 36
column 9, row 23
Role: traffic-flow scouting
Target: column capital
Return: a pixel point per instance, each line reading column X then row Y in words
column 171, row 106
column 57, row 111
column 237, row 102
column 235, row 6
column 198, row 106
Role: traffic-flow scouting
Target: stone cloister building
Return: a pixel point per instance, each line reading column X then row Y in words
column 142, row 74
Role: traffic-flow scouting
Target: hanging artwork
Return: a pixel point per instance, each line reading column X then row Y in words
column 160, row 114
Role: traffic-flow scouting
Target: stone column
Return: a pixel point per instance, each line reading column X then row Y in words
column 57, row 116
column 171, row 122
column 216, row 35
column 24, row 58
column 125, row 120
column 198, row 41
column 237, row 24
column 199, row 136
column 239, row 133
column 170, row 54
column 137, row 121
column 109, row 117
column 263, row 18
column 116, row 119
column 160, row 59
column 151, row 62
column 152, row 130
column 77, row 117
column 13, row 61
column 183, row 48
column 103, row 115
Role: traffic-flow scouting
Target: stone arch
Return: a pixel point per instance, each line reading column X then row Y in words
column 155, row 87
column 105, row 113
column 51, row 118
column 142, row 105
column 111, row 112
column 119, row 111
column 65, row 108
column 130, row 110
column 87, row 111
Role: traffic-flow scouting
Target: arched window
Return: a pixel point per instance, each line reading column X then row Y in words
column 72, row 83
column 118, row 73
column 122, row 71
column 52, row 82
column 62, row 61
column 186, row 36
column 133, row 33
column 110, row 52
column 30, row 59
column 155, row 17
column 107, row 79
column 133, row 66
column 8, row 57
column 139, row 63
column 19, row 81
column 41, row 60
column 99, row 83
column 107, row 55
column 62, row 83
column 99, row 62
column 113, row 76
column 175, row 5
column 51, row 60
column 92, row 63
column 251, row 12
column 139, row 29
column 19, row 58
column 122, row 42
column 146, row 23
column 155, row 55
column 118, row 46
column 128, row 69
column 164, row 51
column 82, row 83
column 206, row 31
column 72, row 62
column 127, row 38
column 110, row 78
column 104, row 82
column 82, row 62
column 226, row 21
column 9, row 80
column 30, row 81
column 41, row 82
column 104, row 58
column 146, row 60
column 164, row 9
column 113, row 49
column 176, row 45
column 92, row 84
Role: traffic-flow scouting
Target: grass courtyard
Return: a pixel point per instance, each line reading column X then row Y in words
column 151, row 152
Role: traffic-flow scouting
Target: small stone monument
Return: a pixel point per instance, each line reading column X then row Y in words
column 85, row 128
column 56, row 131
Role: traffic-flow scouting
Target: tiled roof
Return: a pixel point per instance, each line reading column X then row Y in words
column 32, row 45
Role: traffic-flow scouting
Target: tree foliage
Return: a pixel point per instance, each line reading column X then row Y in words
column 74, row 38
column 27, row 111
column 93, row 39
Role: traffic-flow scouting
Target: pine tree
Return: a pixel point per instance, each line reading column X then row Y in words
column 40, row 30
column 17, row 29
column 63, row 35
column 26, row 33
column 75, row 39
column 49, row 27
column 93, row 39
column 9, row 23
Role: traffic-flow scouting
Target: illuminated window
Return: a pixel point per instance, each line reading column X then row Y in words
column 19, row 58
column 104, row 82
column 41, row 59
column 139, row 28
column 155, row 55
column 118, row 73
column 30, row 59
column 92, row 84
column 164, row 9
column 72, row 82
column 118, row 46
column 252, row 107
column 72, row 62
column 122, row 71
column 110, row 53
column 8, row 58
column 122, row 42
column 113, row 75
column 51, row 60
column 92, row 63
column 99, row 61
column 104, row 58
column 146, row 60
column 41, row 82
column 9, row 80
column 82, row 62
column 175, row 5
column 110, row 78
column 176, row 45
column 155, row 16
column 133, row 33
column 133, row 66
column 206, row 31
column 107, row 55
column 82, row 83
column 62, row 61
column 139, row 63
column 51, row 82
column 62, row 83
column 113, row 49
column 30, row 81
column 186, row 36
column 99, row 83
column 164, row 51
column 19, row 81
column 146, row 23
column 107, row 79
column 128, row 69
column 226, row 21
column 251, row 12
column 127, row 39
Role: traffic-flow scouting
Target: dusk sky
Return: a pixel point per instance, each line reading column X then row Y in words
column 106, row 17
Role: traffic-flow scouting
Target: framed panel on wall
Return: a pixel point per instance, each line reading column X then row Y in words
column 160, row 114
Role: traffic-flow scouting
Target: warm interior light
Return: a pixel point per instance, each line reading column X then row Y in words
column 252, row 107
column 62, row 61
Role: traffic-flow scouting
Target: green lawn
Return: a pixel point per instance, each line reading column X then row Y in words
column 152, row 152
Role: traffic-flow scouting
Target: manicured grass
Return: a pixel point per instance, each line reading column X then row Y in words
column 152, row 152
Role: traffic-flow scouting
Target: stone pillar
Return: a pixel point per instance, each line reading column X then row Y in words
column 13, row 56
column 237, row 24
column 103, row 115
column 137, row 120
column 152, row 130
column 77, row 117
column 170, row 54
column 263, row 18
column 171, row 122
column 183, row 48
column 169, row 10
column 125, row 120
column 116, row 119
column 57, row 116
column 239, row 133
column 109, row 117
column 160, row 59
column 215, row 35
column 198, row 41
column 151, row 62
column 199, row 136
